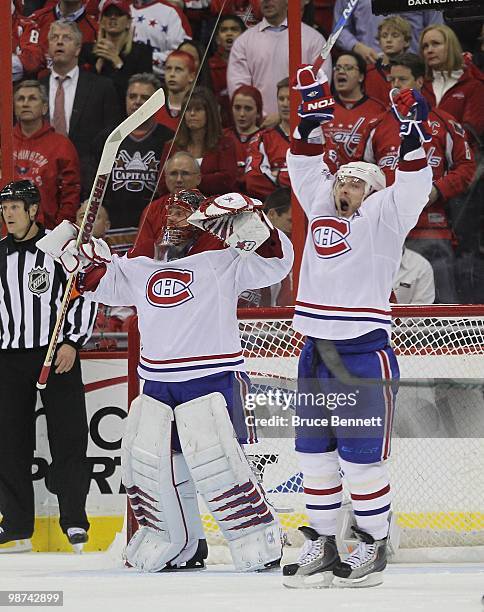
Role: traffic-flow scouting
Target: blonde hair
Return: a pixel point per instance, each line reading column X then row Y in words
column 453, row 47
column 400, row 24
column 125, row 43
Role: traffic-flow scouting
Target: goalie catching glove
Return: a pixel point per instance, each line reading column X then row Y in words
column 60, row 244
column 236, row 219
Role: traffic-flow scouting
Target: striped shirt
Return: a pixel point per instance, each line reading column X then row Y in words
column 31, row 290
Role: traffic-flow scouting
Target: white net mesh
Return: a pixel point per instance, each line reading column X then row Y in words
column 438, row 482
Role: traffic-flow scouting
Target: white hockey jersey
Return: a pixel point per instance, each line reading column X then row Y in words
column 187, row 308
column 159, row 25
column 349, row 265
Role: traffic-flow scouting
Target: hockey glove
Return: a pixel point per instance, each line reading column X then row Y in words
column 317, row 101
column 411, row 111
column 60, row 244
column 235, row 219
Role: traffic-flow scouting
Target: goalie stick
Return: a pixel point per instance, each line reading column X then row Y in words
column 108, row 156
column 333, row 37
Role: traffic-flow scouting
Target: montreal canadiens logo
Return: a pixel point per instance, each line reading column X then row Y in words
column 169, row 287
column 329, row 236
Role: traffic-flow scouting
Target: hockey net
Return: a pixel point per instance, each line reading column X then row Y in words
column 437, row 460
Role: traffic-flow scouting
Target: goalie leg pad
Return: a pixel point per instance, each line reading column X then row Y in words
column 225, row 480
column 189, row 501
column 149, row 478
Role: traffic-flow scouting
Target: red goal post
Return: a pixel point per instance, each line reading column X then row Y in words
column 437, row 465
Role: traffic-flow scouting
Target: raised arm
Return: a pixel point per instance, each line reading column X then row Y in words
column 309, row 174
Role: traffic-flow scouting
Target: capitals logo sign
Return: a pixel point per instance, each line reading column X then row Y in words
column 169, row 287
column 329, row 236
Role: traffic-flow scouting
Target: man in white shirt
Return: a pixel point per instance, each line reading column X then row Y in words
column 260, row 56
column 81, row 104
column 414, row 281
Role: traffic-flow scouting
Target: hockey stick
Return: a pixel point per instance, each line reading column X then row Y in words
column 106, row 162
column 333, row 37
column 332, row 360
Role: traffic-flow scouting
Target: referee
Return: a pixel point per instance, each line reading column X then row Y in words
column 31, row 288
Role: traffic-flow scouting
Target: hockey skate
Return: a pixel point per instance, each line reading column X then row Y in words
column 14, row 542
column 364, row 567
column 77, row 536
column 197, row 562
column 314, row 568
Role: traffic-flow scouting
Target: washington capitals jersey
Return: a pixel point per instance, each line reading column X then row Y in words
column 449, row 155
column 348, row 265
column 344, row 133
column 187, row 308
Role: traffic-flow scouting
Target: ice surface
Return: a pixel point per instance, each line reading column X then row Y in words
column 97, row 581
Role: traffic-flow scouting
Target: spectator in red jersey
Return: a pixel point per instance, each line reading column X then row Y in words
column 247, row 117
column 394, row 37
column 18, row 24
column 352, row 113
column 198, row 51
column 200, row 133
column 266, row 168
column 229, row 28
column 180, row 73
column 450, row 85
column 34, row 43
column 115, row 55
column 248, row 10
column 182, row 172
column 48, row 159
column 452, row 162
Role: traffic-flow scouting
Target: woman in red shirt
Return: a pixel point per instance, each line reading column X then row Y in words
column 452, row 85
column 200, row 133
column 246, row 107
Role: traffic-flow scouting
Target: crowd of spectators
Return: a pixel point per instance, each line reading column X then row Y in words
column 80, row 67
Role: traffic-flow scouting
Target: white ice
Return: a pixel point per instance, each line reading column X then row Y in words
column 97, row 581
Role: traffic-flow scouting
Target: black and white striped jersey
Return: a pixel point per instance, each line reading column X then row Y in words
column 31, row 290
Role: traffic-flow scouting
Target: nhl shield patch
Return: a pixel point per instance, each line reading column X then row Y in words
column 39, row 280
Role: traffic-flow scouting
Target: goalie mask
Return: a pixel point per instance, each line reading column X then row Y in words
column 177, row 231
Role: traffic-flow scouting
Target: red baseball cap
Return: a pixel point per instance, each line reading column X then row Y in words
column 121, row 5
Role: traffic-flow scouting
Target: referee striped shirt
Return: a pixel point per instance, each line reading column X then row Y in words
column 31, row 290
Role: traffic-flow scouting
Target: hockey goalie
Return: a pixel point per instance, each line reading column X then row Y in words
column 183, row 433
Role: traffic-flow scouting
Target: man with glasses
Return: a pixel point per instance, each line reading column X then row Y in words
column 352, row 113
column 182, row 171
column 135, row 172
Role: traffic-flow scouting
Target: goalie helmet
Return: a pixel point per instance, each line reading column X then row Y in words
column 369, row 173
column 180, row 206
column 24, row 190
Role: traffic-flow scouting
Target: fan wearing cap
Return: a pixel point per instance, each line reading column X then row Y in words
column 183, row 433
column 115, row 54
column 356, row 230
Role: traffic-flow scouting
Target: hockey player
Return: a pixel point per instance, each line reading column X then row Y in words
column 353, row 248
column 179, row 433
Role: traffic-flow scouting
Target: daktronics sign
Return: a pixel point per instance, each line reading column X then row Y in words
column 383, row 7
